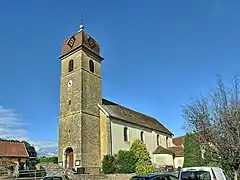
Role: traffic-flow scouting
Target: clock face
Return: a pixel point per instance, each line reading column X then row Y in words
column 70, row 83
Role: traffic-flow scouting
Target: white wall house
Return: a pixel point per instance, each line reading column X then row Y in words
column 120, row 126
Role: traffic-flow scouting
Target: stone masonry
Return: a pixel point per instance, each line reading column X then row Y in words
column 80, row 92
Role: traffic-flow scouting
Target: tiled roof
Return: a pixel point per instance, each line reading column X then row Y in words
column 80, row 39
column 177, row 150
column 162, row 150
column 13, row 149
column 178, row 141
column 120, row 112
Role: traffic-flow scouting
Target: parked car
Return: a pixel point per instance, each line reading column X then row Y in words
column 202, row 173
column 56, row 177
column 155, row 176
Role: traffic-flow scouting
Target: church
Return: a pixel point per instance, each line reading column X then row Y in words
column 91, row 126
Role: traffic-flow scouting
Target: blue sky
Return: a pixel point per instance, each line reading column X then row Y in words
column 158, row 55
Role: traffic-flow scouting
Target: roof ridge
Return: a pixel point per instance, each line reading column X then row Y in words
column 129, row 108
column 9, row 141
column 125, row 113
column 179, row 137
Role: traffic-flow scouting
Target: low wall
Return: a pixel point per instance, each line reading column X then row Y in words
column 103, row 176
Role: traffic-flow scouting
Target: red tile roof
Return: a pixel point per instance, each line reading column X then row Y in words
column 178, row 141
column 13, row 149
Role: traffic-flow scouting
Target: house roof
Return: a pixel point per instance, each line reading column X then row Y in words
column 178, row 141
column 162, row 150
column 120, row 112
column 13, row 149
column 177, row 150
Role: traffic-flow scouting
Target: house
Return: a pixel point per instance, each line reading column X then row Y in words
column 120, row 126
column 16, row 152
column 178, row 148
column 91, row 126
column 178, row 141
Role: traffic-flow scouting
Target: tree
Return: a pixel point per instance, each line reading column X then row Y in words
column 108, row 165
column 143, row 160
column 32, row 151
column 192, row 152
column 126, row 161
column 27, row 144
column 216, row 120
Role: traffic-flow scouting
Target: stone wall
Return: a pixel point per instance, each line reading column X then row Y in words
column 55, row 169
column 105, row 177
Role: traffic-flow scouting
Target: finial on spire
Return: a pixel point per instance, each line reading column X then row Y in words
column 81, row 25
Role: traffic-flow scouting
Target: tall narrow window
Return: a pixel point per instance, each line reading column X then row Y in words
column 141, row 135
column 70, row 66
column 167, row 142
column 125, row 134
column 91, row 66
column 158, row 140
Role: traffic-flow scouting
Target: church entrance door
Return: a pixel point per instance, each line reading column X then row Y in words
column 69, row 158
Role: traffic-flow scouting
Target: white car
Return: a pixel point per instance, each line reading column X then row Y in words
column 202, row 173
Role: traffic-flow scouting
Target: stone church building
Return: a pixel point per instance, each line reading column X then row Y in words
column 90, row 126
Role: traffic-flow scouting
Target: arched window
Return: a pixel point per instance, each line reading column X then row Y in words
column 91, row 66
column 158, row 140
column 70, row 66
column 125, row 134
column 141, row 135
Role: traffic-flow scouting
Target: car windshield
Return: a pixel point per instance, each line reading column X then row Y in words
column 139, row 178
column 195, row 175
column 57, row 178
column 53, row 178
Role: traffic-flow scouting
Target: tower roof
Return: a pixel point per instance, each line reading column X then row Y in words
column 80, row 39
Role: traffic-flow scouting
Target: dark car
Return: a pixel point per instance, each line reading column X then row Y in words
column 56, row 177
column 155, row 176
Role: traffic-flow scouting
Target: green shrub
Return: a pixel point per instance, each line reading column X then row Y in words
column 126, row 162
column 108, row 164
column 144, row 164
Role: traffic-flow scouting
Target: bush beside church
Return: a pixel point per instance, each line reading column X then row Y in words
column 136, row 160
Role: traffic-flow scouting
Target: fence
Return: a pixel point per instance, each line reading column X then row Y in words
column 31, row 174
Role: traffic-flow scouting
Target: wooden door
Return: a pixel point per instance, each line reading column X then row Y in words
column 70, row 160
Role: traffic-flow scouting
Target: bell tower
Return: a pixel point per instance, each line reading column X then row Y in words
column 80, row 92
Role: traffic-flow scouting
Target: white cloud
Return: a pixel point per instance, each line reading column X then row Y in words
column 12, row 126
column 45, row 148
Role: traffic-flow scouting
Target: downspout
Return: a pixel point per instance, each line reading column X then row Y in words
column 110, row 135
